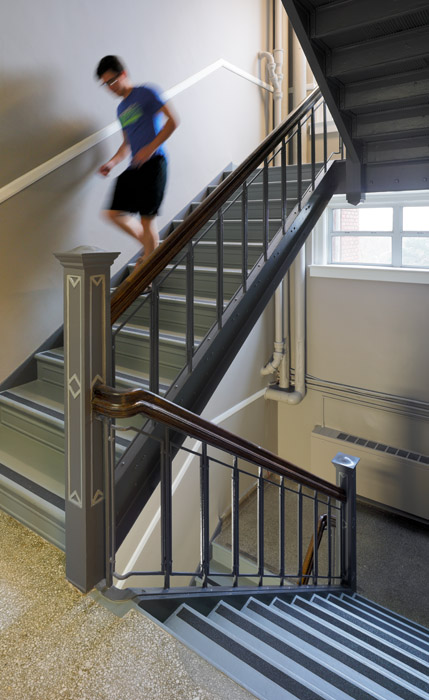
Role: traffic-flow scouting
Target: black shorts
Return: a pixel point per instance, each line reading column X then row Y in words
column 141, row 189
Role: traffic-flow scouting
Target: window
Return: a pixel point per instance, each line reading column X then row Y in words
column 387, row 230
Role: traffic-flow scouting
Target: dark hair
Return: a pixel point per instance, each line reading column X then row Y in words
column 112, row 63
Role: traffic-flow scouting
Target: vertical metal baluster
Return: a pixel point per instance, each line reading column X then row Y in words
column 154, row 340
column 299, row 164
column 109, row 499
column 219, row 238
column 245, row 233
column 166, row 510
column 204, row 515
column 190, row 305
column 266, row 221
column 235, row 522
column 315, row 539
column 325, row 136
column 282, row 540
column 261, row 527
column 329, row 526
column 284, row 186
column 313, row 149
column 299, row 521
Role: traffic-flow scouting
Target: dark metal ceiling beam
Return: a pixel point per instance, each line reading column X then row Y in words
column 301, row 22
column 388, row 51
column 336, row 17
column 397, row 123
column 406, row 88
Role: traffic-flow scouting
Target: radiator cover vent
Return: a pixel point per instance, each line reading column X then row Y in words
column 379, row 446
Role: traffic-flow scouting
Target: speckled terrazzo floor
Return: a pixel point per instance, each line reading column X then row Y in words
column 57, row 644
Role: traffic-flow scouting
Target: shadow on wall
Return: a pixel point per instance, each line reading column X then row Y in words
column 31, row 131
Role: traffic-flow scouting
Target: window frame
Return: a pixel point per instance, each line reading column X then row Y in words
column 323, row 234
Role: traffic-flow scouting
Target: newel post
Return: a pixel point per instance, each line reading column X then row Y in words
column 346, row 479
column 87, row 360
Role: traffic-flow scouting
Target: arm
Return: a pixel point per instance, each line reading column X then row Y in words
column 170, row 125
column 122, row 152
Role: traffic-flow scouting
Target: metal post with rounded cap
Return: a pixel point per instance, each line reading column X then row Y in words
column 346, row 479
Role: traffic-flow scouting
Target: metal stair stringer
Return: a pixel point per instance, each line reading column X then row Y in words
column 137, row 475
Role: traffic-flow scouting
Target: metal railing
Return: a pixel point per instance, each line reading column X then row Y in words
column 288, row 501
column 192, row 262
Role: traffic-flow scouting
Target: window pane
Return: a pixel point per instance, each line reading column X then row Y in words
column 416, row 219
column 375, row 250
column 369, row 219
column 415, row 251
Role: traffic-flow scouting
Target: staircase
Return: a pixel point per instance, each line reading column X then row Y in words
column 371, row 61
column 308, row 646
column 32, row 414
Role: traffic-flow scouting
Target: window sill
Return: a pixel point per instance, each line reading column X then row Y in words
column 371, row 274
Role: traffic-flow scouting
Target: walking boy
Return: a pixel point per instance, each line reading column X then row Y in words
column 146, row 123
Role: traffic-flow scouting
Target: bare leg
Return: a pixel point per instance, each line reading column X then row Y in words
column 126, row 222
column 150, row 238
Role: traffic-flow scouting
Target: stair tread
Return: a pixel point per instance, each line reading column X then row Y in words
column 252, row 669
column 323, row 661
column 350, row 651
column 342, row 627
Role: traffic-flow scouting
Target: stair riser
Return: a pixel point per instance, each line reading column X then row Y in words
column 172, row 316
column 256, row 209
column 205, row 283
column 35, row 426
column 134, row 354
column 233, row 230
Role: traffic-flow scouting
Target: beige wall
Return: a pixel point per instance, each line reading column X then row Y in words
column 49, row 100
column 372, row 336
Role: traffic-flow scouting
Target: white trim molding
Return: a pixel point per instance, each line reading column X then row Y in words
column 32, row 176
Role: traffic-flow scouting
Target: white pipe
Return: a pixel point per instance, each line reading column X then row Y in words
column 278, row 353
column 296, row 396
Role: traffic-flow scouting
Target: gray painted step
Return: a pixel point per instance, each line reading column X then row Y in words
column 251, row 669
column 233, row 230
column 377, row 612
column 50, row 368
column 233, row 209
column 326, row 664
column 205, row 282
column 132, row 351
column 382, row 671
column 400, row 629
column 394, row 637
column 172, row 313
column 342, row 627
column 255, row 190
column 221, row 563
column 376, row 608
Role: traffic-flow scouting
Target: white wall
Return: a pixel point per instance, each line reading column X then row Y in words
column 372, row 336
column 49, row 100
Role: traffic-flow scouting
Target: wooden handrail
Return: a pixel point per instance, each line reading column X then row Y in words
column 309, row 557
column 144, row 274
column 123, row 404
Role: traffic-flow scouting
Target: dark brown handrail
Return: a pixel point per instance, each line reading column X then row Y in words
column 123, row 404
column 309, row 557
column 143, row 275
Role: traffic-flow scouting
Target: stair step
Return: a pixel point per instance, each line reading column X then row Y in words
column 233, row 209
column 324, row 662
column 233, row 230
column 205, row 282
column 251, row 669
column 382, row 671
column 221, row 563
column 379, row 609
column 395, row 626
column 353, row 631
column 391, row 636
column 172, row 313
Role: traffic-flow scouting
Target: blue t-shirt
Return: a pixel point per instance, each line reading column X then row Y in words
column 139, row 119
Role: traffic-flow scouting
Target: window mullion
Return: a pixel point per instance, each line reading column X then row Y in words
column 397, row 236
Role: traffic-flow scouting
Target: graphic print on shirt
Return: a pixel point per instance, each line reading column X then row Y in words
column 131, row 115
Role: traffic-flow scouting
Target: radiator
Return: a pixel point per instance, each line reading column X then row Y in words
column 388, row 475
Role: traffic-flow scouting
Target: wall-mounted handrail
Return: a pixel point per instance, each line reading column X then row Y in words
column 32, row 176
column 123, row 404
column 143, row 275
